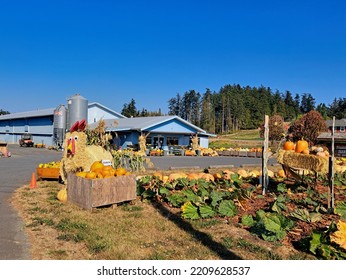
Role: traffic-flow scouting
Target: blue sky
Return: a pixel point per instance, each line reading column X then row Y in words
column 112, row 51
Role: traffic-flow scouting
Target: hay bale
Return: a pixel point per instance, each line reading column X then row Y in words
column 302, row 161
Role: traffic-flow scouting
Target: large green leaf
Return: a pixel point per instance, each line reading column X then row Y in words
column 203, row 191
column 281, row 234
column 216, row 197
column 301, row 214
column 176, row 199
column 247, row 220
column 148, row 194
column 340, row 209
column 164, row 191
column 228, row 208
column 189, row 211
column 272, row 223
column 269, row 237
column 206, row 211
column 190, row 195
column 315, row 242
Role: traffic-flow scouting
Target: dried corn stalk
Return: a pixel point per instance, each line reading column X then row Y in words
column 98, row 136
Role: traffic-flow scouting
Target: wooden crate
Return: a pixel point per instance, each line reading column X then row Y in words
column 251, row 154
column 242, row 154
column 48, row 173
column 91, row 193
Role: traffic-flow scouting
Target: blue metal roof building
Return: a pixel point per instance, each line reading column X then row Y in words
column 40, row 123
column 162, row 131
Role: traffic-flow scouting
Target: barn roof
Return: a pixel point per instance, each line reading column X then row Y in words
column 143, row 123
column 28, row 114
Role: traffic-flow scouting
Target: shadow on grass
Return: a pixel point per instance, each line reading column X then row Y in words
column 204, row 238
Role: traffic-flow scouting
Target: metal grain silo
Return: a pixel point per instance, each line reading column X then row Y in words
column 59, row 125
column 77, row 109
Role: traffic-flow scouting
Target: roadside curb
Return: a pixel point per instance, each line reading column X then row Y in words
column 221, row 166
column 184, row 167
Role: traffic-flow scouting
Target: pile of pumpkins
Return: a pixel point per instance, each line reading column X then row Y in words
column 302, row 147
column 99, row 171
column 222, row 175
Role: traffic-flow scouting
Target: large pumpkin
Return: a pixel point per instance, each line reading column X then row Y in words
column 301, row 146
column 288, row 146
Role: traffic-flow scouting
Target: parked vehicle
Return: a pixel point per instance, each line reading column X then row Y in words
column 26, row 140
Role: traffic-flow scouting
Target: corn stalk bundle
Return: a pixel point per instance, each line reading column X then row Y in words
column 303, row 161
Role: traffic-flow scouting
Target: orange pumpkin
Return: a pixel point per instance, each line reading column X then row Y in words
column 301, row 146
column 282, row 173
column 97, row 165
column 288, row 146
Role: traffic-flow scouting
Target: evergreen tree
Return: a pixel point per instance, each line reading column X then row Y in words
column 338, row 108
column 297, row 105
column 175, row 106
column 2, row 112
column 290, row 107
column 323, row 110
column 208, row 112
column 307, row 104
column 129, row 109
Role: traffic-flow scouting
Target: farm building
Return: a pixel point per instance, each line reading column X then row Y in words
column 339, row 137
column 162, row 132
column 48, row 126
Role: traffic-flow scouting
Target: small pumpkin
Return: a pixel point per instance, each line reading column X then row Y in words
column 301, row 146
column 289, row 146
column 207, row 177
column 62, row 195
column 321, row 154
column 281, row 173
column 243, row 173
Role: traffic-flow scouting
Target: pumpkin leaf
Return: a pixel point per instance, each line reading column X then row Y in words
column 227, row 208
column 247, row 220
column 164, row 191
column 282, row 187
column 272, row 223
column 340, row 209
column 176, row 199
column 315, row 242
column 305, row 216
column 189, row 211
column 148, row 194
column 206, row 211
column 190, row 195
column 216, row 197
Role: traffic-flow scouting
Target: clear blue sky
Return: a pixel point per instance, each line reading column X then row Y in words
column 111, row 51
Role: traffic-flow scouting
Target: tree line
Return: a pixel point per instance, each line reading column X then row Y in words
column 234, row 107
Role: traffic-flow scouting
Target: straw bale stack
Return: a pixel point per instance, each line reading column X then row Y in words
column 302, row 161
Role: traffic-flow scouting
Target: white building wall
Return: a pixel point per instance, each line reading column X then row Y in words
column 96, row 113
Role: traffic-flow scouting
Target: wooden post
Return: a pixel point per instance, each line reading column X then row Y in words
column 331, row 173
column 265, row 155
